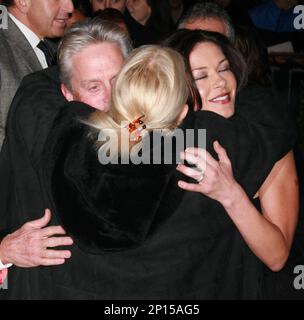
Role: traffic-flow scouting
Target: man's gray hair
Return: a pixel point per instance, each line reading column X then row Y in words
column 83, row 34
column 207, row 10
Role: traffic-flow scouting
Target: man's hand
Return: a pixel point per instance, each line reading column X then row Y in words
column 29, row 245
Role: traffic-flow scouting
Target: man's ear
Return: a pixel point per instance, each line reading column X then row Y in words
column 183, row 114
column 23, row 5
column 66, row 92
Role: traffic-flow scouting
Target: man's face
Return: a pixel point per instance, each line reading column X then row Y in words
column 139, row 10
column 94, row 71
column 103, row 4
column 48, row 18
column 210, row 24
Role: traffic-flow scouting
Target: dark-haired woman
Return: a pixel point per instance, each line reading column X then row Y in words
column 266, row 216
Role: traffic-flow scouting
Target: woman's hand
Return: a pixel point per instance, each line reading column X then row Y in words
column 215, row 178
column 269, row 235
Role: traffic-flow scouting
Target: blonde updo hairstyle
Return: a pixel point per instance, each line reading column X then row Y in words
column 152, row 83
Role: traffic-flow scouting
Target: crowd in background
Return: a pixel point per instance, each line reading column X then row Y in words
column 271, row 20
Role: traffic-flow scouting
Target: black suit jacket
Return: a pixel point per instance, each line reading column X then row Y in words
column 33, row 109
column 31, row 115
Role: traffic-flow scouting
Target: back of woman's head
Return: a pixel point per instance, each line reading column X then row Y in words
column 152, row 83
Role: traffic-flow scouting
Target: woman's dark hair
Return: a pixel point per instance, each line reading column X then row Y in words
column 255, row 55
column 184, row 42
column 160, row 21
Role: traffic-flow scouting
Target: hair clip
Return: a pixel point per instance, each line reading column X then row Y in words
column 138, row 126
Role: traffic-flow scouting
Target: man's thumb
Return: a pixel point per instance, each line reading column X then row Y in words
column 42, row 222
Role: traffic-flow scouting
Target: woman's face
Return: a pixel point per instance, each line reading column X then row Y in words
column 103, row 4
column 215, row 81
column 139, row 10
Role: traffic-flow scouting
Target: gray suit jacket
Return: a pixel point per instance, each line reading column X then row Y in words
column 17, row 59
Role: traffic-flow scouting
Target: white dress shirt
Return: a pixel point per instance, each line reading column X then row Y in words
column 33, row 40
column 4, row 266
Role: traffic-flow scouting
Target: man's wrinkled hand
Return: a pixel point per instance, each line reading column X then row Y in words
column 33, row 244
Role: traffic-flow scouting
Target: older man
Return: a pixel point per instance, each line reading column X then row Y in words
column 87, row 67
column 90, row 57
column 22, row 45
column 208, row 16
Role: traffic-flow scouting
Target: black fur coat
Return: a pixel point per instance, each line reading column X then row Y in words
column 114, row 207
column 137, row 235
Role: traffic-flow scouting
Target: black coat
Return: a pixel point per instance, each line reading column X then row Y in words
column 144, row 238
column 31, row 116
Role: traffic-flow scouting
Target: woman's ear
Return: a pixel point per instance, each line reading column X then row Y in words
column 183, row 114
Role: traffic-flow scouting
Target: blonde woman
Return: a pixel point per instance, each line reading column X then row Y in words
column 115, row 212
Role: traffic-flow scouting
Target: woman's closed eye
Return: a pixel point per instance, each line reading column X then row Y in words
column 200, row 77
column 224, row 68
